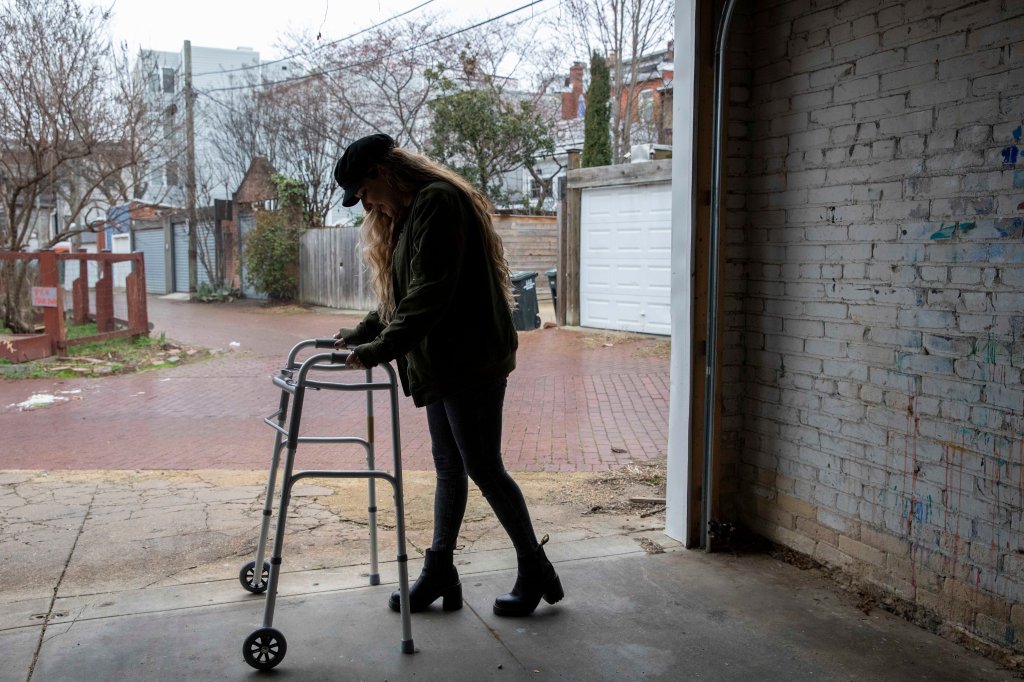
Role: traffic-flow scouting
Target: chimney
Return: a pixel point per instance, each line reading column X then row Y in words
column 573, row 90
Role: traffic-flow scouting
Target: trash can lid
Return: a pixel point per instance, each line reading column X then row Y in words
column 522, row 276
column 552, row 272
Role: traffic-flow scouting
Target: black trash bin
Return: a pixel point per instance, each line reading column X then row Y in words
column 526, row 315
column 553, row 283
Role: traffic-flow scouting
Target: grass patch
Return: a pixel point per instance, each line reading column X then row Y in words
column 78, row 331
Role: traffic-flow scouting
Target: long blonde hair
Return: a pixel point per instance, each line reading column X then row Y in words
column 406, row 173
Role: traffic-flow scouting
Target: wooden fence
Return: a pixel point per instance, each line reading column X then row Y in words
column 531, row 244
column 333, row 273
column 53, row 340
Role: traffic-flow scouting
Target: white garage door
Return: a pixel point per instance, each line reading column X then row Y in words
column 626, row 257
column 121, row 243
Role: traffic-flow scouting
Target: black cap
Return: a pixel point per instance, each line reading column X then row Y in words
column 356, row 161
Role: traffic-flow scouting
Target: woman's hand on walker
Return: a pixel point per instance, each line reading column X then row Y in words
column 354, row 362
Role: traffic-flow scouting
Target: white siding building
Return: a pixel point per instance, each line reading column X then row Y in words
column 219, row 77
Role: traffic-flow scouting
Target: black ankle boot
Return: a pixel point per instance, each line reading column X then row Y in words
column 439, row 578
column 536, row 579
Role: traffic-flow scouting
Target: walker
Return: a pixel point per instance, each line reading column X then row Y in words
column 266, row 647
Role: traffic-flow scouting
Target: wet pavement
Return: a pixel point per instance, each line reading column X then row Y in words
column 578, row 400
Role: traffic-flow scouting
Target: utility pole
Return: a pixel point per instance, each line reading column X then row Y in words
column 190, row 170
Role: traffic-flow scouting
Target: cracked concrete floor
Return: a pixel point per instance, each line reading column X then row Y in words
column 90, row 532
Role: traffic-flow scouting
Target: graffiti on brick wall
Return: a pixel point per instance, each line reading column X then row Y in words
column 1012, row 152
column 934, row 502
column 987, row 228
column 948, row 231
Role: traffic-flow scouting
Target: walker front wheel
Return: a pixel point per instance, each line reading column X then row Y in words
column 247, row 576
column 264, row 648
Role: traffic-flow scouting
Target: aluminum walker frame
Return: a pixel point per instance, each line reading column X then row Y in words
column 266, row 646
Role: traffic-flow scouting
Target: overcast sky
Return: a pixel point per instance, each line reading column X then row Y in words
column 260, row 24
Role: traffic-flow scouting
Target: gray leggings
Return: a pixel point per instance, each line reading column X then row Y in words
column 465, row 433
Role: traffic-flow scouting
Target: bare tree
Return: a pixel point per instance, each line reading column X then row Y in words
column 385, row 79
column 239, row 128
column 624, row 30
column 298, row 125
column 314, row 130
column 72, row 126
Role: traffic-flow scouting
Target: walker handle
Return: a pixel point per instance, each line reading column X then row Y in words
column 324, row 343
column 340, row 358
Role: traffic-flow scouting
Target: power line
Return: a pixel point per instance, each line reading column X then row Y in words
column 317, row 47
column 340, row 67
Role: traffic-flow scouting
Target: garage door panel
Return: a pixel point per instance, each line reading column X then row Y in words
column 180, row 231
column 151, row 244
column 625, row 258
column 206, row 244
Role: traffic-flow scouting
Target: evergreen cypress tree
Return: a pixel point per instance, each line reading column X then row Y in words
column 597, row 138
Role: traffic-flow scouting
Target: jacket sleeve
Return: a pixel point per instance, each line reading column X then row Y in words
column 366, row 330
column 437, row 244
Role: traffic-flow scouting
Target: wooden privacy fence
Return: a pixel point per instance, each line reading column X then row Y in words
column 49, row 295
column 332, row 271
column 531, row 245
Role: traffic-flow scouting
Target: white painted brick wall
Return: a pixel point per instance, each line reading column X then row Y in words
column 876, row 292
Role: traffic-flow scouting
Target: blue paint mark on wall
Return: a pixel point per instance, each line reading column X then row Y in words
column 1011, row 153
column 948, row 231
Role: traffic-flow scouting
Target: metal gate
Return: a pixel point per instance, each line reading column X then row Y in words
column 154, row 250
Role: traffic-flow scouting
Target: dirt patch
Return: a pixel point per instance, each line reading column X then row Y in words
column 280, row 309
column 639, row 345
column 637, row 488
column 117, row 356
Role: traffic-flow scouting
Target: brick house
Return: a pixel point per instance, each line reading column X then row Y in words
column 654, row 76
column 651, row 100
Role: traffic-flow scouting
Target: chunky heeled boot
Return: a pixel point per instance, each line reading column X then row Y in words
column 439, row 578
column 536, row 579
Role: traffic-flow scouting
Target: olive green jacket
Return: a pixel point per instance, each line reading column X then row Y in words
column 452, row 328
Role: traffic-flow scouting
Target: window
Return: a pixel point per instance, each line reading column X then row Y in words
column 645, row 106
column 168, row 80
column 536, row 189
column 171, row 171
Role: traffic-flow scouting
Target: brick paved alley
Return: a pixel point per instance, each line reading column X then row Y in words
column 578, row 401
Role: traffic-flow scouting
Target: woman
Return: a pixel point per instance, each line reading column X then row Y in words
column 445, row 315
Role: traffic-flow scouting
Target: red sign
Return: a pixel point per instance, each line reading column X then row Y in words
column 44, row 297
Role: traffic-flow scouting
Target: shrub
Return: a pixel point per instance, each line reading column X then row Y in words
column 208, row 293
column 272, row 256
